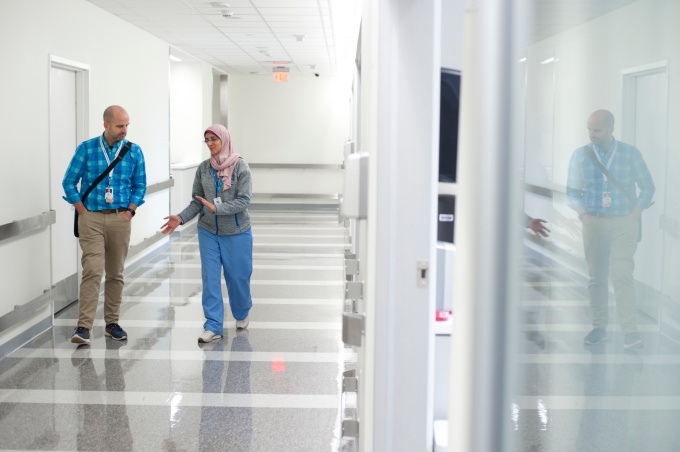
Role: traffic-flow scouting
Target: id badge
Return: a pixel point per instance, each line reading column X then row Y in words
column 108, row 196
column 217, row 201
column 606, row 199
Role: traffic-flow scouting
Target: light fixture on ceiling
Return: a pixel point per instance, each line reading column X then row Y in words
column 229, row 14
column 174, row 58
column 280, row 74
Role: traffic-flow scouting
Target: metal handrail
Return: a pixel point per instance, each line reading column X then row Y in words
column 19, row 227
column 295, row 166
column 296, row 195
column 153, row 188
column 21, row 312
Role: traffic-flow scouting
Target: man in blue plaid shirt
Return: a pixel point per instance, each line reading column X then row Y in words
column 104, row 220
column 609, row 206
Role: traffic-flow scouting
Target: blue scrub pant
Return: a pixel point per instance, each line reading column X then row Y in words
column 234, row 254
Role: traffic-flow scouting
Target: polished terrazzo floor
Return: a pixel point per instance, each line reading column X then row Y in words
column 571, row 397
column 272, row 387
column 276, row 386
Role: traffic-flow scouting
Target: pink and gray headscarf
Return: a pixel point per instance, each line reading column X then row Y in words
column 224, row 162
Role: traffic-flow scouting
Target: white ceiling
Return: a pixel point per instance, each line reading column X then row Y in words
column 554, row 16
column 257, row 35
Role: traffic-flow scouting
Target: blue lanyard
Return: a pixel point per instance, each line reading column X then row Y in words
column 218, row 182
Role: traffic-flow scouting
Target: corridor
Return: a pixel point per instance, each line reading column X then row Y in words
column 272, row 387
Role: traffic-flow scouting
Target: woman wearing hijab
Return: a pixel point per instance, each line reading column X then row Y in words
column 221, row 192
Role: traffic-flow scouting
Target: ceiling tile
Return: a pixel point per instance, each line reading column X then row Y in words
column 199, row 29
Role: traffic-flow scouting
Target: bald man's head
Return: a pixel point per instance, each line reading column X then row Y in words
column 116, row 121
column 604, row 116
column 601, row 128
column 111, row 111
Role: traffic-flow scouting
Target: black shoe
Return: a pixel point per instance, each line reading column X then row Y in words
column 632, row 341
column 596, row 336
column 81, row 336
column 115, row 332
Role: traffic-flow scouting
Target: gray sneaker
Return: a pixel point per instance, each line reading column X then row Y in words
column 242, row 324
column 596, row 336
column 632, row 341
column 208, row 336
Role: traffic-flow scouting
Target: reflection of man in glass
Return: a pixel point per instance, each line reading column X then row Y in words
column 602, row 187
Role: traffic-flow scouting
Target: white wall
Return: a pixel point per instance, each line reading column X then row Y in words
column 127, row 67
column 587, row 76
column 302, row 121
column 452, row 34
column 190, row 110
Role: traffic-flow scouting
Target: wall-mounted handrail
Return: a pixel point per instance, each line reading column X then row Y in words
column 295, row 166
column 545, row 191
column 24, row 311
column 19, row 227
column 297, row 195
column 159, row 186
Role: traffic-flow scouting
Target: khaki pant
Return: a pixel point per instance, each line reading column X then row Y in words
column 104, row 239
column 609, row 245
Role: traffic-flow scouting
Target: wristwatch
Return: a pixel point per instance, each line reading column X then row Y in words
column 132, row 211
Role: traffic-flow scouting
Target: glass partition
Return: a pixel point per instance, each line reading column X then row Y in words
column 596, row 122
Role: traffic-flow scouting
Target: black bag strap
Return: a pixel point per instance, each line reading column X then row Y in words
column 96, row 182
column 614, row 180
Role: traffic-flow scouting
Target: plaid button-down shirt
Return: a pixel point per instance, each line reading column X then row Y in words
column 586, row 182
column 128, row 178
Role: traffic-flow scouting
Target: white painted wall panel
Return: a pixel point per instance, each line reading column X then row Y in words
column 128, row 67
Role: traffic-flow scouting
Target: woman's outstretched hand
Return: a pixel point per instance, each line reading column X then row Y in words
column 171, row 224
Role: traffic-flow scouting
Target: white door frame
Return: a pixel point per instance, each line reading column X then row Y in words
column 628, row 104
column 82, row 92
column 67, row 290
column 629, row 77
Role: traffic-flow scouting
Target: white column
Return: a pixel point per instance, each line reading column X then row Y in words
column 486, row 235
column 400, row 124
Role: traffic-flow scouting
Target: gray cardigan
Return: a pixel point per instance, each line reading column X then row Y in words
column 231, row 216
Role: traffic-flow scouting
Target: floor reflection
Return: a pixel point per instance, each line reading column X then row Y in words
column 226, row 428
column 103, row 424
